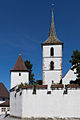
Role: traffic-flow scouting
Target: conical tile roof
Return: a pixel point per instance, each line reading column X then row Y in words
column 19, row 66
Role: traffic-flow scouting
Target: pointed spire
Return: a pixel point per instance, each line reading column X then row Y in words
column 52, row 38
column 52, row 27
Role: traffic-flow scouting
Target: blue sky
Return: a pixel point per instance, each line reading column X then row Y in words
column 24, row 25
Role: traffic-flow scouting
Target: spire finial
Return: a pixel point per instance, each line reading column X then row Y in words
column 20, row 52
column 52, row 28
column 52, row 9
column 53, row 5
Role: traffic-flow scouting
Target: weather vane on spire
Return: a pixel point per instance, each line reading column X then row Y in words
column 20, row 52
column 52, row 8
column 53, row 4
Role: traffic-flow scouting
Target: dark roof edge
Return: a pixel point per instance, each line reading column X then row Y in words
column 57, row 86
column 4, row 105
column 30, row 87
column 19, row 70
column 5, row 97
column 52, row 44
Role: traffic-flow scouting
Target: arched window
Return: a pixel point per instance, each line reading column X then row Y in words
column 51, row 65
column 52, row 51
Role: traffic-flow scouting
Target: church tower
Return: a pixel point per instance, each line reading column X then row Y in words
column 52, row 57
column 19, row 73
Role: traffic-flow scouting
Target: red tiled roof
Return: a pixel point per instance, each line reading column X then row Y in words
column 3, row 91
column 27, row 87
column 37, row 87
column 57, row 86
column 30, row 87
column 5, row 104
column 73, row 86
column 41, row 86
column 19, row 66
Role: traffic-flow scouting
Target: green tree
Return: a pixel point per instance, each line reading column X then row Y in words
column 29, row 67
column 39, row 82
column 75, row 61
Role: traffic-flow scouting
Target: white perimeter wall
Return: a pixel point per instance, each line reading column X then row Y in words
column 16, row 79
column 46, row 105
column 15, row 104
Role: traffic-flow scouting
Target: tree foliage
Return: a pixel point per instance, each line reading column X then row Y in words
column 76, row 64
column 29, row 67
column 75, row 59
column 39, row 82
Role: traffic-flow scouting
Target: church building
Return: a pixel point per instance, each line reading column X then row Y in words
column 51, row 99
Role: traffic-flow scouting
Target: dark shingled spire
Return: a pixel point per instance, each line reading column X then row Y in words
column 52, row 38
column 52, row 27
column 19, row 66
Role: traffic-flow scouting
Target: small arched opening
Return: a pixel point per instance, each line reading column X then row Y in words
column 51, row 65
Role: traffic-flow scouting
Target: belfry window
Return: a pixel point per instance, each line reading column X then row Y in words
column 52, row 51
column 51, row 65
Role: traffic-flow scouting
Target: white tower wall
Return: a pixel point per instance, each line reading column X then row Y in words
column 56, row 74
column 57, row 50
column 16, row 79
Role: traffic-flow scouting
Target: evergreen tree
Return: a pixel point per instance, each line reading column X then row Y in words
column 29, row 67
column 76, row 64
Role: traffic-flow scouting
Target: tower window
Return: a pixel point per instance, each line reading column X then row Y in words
column 51, row 65
column 19, row 74
column 52, row 51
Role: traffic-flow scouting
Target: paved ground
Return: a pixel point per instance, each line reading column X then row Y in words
column 11, row 118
